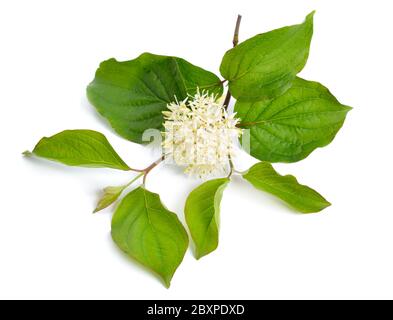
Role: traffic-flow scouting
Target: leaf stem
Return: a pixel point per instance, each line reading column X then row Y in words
column 235, row 41
column 136, row 170
column 134, row 179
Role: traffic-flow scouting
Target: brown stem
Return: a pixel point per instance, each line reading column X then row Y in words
column 235, row 41
column 227, row 99
column 151, row 167
column 236, row 34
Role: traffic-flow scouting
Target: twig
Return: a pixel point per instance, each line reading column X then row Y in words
column 235, row 41
column 145, row 171
column 236, row 34
column 151, row 167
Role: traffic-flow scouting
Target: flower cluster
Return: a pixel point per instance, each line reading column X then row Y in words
column 200, row 134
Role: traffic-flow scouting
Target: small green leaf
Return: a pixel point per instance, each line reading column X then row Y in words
column 264, row 66
column 131, row 95
column 111, row 194
column 302, row 198
column 148, row 232
column 85, row 148
column 202, row 211
column 289, row 128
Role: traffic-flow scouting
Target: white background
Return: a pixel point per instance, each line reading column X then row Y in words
column 51, row 246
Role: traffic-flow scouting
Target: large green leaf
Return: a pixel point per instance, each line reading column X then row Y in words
column 302, row 198
column 289, row 128
column 202, row 211
column 148, row 232
column 85, row 148
column 265, row 65
column 131, row 95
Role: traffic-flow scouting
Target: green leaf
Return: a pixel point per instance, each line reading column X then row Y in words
column 131, row 95
column 111, row 194
column 290, row 127
column 265, row 65
column 202, row 211
column 302, row 198
column 84, row 148
column 148, row 232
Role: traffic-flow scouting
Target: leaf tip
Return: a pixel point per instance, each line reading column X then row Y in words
column 101, row 206
column 348, row 108
column 327, row 204
column 96, row 210
column 310, row 16
column 322, row 207
column 27, row 153
column 199, row 255
column 167, row 282
column 309, row 22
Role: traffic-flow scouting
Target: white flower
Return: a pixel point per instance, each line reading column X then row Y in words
column 200, row 134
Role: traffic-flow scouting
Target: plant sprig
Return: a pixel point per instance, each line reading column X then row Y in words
column 286, row 118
